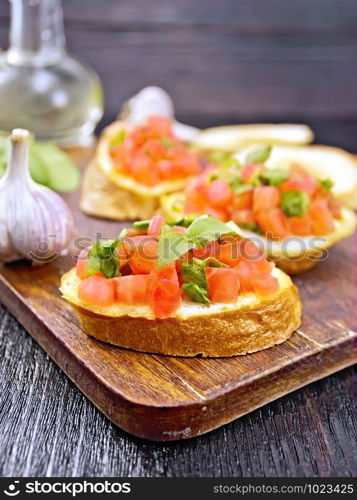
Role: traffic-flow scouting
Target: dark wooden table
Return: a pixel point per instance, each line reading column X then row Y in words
column 48, row 428
column 223, row 62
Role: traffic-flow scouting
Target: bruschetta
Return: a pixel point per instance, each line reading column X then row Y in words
column 291, row 214
column 133, row 166
column 195, row 288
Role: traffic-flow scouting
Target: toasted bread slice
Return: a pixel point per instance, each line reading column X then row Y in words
column 322, row 162
column 108, row 193
column 231, row 138
column 297, row 254
column 252, row 323
column 123, row 181
column 102, row 198
column 294, row 255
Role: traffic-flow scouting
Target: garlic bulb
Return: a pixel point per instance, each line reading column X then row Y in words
column 35, row 222
column 155, row 101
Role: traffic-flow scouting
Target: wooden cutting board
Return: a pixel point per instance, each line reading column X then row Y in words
column 165, row 398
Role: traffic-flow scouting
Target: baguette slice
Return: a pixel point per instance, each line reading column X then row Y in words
column 110, row 194
column 294, row 255
column 123, row 181
column 251, row 324
column 322, row 162
column 231, row 138
column 102, row 198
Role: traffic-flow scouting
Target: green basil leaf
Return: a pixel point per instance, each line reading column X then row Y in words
column 195, row 293
column 274, row 176
column 239, row 188
column 184, row 221
column 294, row 203
column 172, row 246
column 194, row 272
column 260, row 154
column 224, row 159
column 53, row 167
column 103, row 256
column 212, row 262
column 205, row 229
column 48, row 165
column 93, row 265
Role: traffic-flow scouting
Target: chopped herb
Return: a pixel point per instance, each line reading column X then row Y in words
column 165, row 141
column 212, row 262
column 118, row 139
column 327, row 184
column 200, row 232
column 294, row 203
column 224, row 159
column 238, row 188
column 195, row 293
column 194, row 280
column 184, row 222
column 141, row 224
column 260, row 154
column 274, row 177
column 103, row 257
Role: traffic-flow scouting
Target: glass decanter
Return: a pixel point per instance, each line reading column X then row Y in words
column 42, row 87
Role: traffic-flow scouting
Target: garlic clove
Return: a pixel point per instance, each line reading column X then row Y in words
column 35, row 222
column 155, row 101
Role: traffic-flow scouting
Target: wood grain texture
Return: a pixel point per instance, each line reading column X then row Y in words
column 164, row 398
column 224, row 61
column 48, row 428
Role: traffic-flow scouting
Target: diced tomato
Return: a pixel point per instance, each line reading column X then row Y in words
column 250, row 171
column 219, row 193
column 265, row 284
column 299, row 180
column 243, row 201
column 250, row 251
column 244, row 272
column 155, row 226
column 301, row 226
column 219, row 213
column 265, row 198
column 165, row 169
column 159, row 126
column 132, row 289
column 142, row 253
column 262, row 266
column 321, row 218
column 273, row 223
column 211, row 250
column 229, row 251
column 81, row 266
column 223, row 284
column 168, row 273
column 164, row 291
column 97, row 291
column 242, row 217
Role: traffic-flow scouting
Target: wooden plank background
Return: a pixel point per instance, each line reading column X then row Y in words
column 227, row 61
